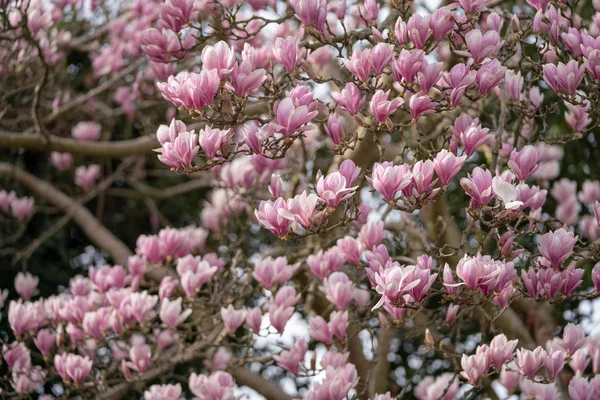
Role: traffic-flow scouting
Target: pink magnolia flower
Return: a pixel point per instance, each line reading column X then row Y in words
column 349, row 98
column 338, row 289
column 489, row 76
column 171, row 312
column 193, row 280
column 351, row 248
column 174, row 14
column 335, row 128
column 408, row 65
column 524, row 162
column 388, row 179
column 86, row 176
column 254, row 319
column 88, row 131
column 580, row 389
column 564, row 77
column 381, row 108
column 211, row 140
column 163, row 392
column 163, row 45
column 287, row 52
column 140, row 355
column 530, row 361
column 554, row 362
column 245, row 79
column 421, row 104
column 319, row 330
column 380, row 57
column 447, row 165
column 474, row 367
column 513, row 84
column 191, row 90
column 300, row 209
column 573, row 338
column 279, row 316
column 442, row 23
column 443, row 387
column 311, row 12
column 6, row 198
column 270, row 271
column 61, row 161
column 22, row 208
column 290, row 360
column 290, row 118
column 359, row 64
column 418, row 30
column 232, row 318
column 323, row 264
column 482, row 46
column 271, row 215
column 180, row 153
column 557, row 246
column 338, row 324
column 478, row 185
column 219, row 57
column 218, row 386
column 72, row 367
column 501, row 350
column 371, row 234
column 429, row 75
column 45, row 341
column 333, row 189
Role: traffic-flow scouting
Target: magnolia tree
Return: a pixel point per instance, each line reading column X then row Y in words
column 394, row 199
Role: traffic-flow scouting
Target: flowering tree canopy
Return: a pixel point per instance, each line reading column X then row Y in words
column 396, row 199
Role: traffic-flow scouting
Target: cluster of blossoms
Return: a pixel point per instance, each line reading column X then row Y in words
column 450, row 116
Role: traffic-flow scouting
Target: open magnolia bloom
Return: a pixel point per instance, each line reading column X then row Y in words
column 506, row 192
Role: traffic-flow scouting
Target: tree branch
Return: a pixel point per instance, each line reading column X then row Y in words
column 115, row 149
column 245, row 377
column 91, row 226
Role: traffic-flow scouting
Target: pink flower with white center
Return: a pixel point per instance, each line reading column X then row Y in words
column 359, row 64
column 388, row 179
column 232, row 318
column 335, row 128
column 270, row 214
column 338, row 324
column 245, row 79
column 164, row 45
column 333, row 189
column 72, row 367
column 290, row 119
column 192, row 281
column 291, row 359
column 557, row 246
column 286, row 297
column 473, row 137
column 447, row 165
column 108, row 277
column 338, row 289
column 545, row 282
column 163, row 392
column 371, row 234
column 422, row 181
column 17, row 356
column 350, row 171
column 140, row 355
column 26, row 285
column 218, row 386
column 86, row 176
column 61, row 161
column 279, row 316
column 87, row 131
column 287, row 52
column 381, row 108
column 270, row 271
column 580, row 389
column 474, row 6
column 175, row 14
column 530, row 361
column 191, row 90
column 323, row 264
column 349, row 98
column 150, row 247
column 180, row 153
column 171, row 312
column 96, row 323
column 219, row 57
column 554, row 362
column 478, row 185
column 421, row 104
column 311, row 12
